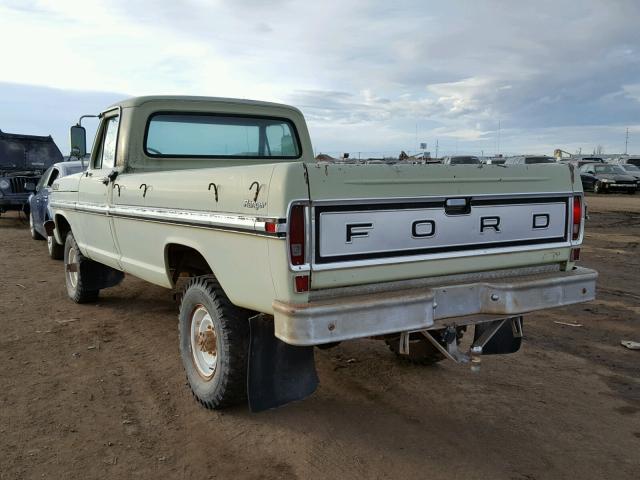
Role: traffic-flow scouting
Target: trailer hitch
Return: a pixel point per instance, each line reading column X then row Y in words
column 491, row 338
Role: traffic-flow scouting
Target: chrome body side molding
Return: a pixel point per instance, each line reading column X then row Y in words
column 250, row 224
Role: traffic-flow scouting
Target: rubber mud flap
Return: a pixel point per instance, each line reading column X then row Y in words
column 502, row 342
column 98, row 276
column 279, row 373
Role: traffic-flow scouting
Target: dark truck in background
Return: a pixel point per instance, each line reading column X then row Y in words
column 23, row 160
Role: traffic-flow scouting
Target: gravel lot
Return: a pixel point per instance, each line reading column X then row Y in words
column 98, row 391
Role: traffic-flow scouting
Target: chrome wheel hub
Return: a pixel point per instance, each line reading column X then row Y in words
column 204, row 342
column 71, row 267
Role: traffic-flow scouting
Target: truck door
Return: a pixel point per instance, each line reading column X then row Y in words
column 94, row 196
column 36, row 204
column 43, row 195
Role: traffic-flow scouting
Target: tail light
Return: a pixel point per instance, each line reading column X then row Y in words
column 577, row 217
column 296, row 235
column 296, row 239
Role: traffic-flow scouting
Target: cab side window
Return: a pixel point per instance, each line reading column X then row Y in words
column 106, row 157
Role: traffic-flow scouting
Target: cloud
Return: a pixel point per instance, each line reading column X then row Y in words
column 364, row 72
column 37, row 110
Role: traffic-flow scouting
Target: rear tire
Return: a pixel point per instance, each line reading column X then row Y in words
column 56, row 251
column 214, row 344
column 32, row 229
column 77, row 269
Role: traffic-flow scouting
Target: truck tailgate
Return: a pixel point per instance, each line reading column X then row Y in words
column 375, row 223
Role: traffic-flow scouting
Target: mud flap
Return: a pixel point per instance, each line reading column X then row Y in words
column 97, row 276
column 278, row 373
column 506, row 340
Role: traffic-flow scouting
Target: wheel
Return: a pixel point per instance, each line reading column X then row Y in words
column 77, row 269
column 421, row 350
column 34, row 233
column 598, row 187
column 214, row 344
column 56, row 251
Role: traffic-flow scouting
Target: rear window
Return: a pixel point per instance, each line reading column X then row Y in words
column 220, row 136
column 634, row 161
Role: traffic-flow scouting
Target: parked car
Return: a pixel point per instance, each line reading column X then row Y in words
column 529, row 160
column 39, row 204
column 631, row 169
column 495, row 161
column 628, row 161
column 603, row 178
column 23, row 158
column 461, row 160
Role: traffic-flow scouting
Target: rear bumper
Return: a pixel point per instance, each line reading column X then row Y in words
column 347, row 318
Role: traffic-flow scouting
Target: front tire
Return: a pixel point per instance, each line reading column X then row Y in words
column 32, row 228
column 214, row 344
column 56, row 251
column 77, row 269
column 598, row 187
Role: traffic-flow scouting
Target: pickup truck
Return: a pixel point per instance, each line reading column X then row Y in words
column 272, row 253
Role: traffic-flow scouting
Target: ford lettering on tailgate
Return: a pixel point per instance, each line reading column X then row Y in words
column 377, row 230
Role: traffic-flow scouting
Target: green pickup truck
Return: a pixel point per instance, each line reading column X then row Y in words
column 276, row 253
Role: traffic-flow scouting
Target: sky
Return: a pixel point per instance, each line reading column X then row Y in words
column 375, row 77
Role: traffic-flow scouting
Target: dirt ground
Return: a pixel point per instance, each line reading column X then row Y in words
column 98, row 391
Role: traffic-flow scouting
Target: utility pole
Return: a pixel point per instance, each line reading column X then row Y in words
column 626, row 141
column 498, row 152
column 436, row 148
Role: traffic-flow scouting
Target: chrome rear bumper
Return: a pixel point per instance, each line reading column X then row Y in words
column 346, row 318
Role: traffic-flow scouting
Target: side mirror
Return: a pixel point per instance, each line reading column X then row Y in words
column 78, row 137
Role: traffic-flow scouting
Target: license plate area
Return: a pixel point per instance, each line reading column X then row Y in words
column 369, row 231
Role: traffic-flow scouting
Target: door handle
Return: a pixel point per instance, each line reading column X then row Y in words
column 110, row 177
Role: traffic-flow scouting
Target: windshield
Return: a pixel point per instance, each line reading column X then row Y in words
column 631, row 168
column 220, row 136
column 530, row 160
column 608, row 169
